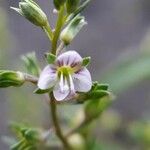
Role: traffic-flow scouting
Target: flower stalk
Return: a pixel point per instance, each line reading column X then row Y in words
column 48, row 31
column 58, row 130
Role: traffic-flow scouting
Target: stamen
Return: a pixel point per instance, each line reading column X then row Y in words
column 71, row 83
column 61, row 83
column 66, row 87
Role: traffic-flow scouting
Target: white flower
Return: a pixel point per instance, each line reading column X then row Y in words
column 67, row 76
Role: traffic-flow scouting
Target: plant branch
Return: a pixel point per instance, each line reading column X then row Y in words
column 30, row 78
column 56, row 123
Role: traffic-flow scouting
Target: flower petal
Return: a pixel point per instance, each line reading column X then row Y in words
column 59, row 93
column 70, row 58
column 82, row 80
column 47, row 78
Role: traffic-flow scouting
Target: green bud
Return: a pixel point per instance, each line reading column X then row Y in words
column 58, row 3
column 72, row 5
column 31, row 11
column 69, row 33
column 11, row 78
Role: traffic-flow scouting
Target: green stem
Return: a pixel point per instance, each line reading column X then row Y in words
column 53, row 106
column 56, row 123
column 59, row 25
column 48, row 31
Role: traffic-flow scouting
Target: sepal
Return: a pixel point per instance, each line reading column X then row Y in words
column 86, row 61
column 39, row 91
column 50, row 58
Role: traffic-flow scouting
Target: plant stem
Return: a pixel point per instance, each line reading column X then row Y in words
column 53, row 106
column 30, row 78
column 56, row 123
column 59, row 25
column 48, row 31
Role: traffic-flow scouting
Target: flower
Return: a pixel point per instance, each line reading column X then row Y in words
column 67, row 76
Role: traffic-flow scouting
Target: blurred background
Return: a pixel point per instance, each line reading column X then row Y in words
column 117, row 38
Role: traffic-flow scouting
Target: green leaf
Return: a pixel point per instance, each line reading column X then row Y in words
column 97, row 91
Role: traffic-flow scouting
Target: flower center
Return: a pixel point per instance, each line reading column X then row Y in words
column 65, row 70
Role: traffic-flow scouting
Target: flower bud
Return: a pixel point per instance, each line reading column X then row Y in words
column 77, row 142
column 31, row 11
column 68, row 34
column 11, row 78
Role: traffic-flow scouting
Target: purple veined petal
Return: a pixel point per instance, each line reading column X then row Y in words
column 82, row 80
column 60, row 93
column 69, row 58
column 47, row 78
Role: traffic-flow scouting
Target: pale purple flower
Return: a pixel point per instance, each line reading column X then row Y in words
column 67, row 76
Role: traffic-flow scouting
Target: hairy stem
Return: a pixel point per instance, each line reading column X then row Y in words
column 56, row 123
column 30, row 78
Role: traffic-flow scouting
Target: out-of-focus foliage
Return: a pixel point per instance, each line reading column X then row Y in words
column 31, row 64
column 131, row 69
column 140, row 132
